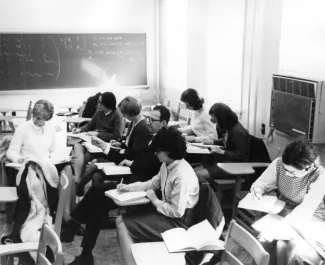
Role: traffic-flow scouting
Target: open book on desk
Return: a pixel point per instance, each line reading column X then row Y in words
column 201, row 236
column 267, row 204
column 125, row 197
column 61, row 155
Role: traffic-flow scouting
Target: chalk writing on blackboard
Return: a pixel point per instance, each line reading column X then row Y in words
column 35, row 61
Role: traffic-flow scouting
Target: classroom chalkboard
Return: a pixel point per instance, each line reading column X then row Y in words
column 44, row 61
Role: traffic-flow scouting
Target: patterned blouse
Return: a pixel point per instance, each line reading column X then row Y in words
column 302, row 195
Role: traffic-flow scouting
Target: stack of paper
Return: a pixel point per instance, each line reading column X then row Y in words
column 267, row 204
column 125, row 196
column 102, row 165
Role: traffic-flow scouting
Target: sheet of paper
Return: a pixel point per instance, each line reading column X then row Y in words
column 116, row 170
column 102, row 165
column 125, row 196
column 92, row 148
column 277, row 225
column 60, row 155
column 191, row 149
column 206, row 145
column 81, row 136
column 266, row 204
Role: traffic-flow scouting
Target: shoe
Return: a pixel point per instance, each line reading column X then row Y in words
column 83, row 259
column 80, row 231
column 109, row 223
column 70, row 230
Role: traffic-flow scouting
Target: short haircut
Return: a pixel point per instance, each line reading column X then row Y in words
column 109, row 100
column 299, row 154
column 170, row 140
column 191, row 97
column 130, row 106
column 43, row 109
column 226, row 118
column 164, row 112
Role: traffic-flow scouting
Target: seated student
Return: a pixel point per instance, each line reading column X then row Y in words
column 201, row 126
column 107, row 124
column 35, row 139
column 179, row 186
column 300, row 182
column 144, row 166
column 95, row 205
column 235, row 142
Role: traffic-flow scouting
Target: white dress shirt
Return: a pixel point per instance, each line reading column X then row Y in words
column 179, row 185
column 32, row 142
column 201, row 126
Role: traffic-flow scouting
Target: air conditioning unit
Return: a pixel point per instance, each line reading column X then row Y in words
column 298, row 107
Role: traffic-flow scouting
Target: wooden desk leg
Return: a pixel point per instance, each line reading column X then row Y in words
column 236, row 190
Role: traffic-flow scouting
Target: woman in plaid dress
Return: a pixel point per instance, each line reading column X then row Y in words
column 300, row 182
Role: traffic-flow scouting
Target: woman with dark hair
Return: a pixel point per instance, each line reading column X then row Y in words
column 234, row 144
column 179, row 186
column 300, row 181
column 201, row 126
column 107, row 124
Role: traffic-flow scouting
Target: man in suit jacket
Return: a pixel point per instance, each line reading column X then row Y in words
column 95, row 205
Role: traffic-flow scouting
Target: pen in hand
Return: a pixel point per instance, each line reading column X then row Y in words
column 257, row 197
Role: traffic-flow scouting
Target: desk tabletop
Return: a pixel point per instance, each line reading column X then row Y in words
column 5, row 118
column 76, row 119
column 8, row 194
column 132, row 203
column 237, row 168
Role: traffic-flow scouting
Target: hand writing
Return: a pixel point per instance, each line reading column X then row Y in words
column 257, row 193
column 126, row 162
column 207, row 141
column 217, row 150
column 98, row 142
column 76, row 130
column 123, row 188
column 92, row 133
column 152, row 196
column 190, row 138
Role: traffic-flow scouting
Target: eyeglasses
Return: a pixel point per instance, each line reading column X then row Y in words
column 297, row 172
column 151, row 120
column 158, row 151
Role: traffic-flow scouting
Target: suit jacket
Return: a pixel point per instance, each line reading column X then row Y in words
column 138, row 143
column 147, row 166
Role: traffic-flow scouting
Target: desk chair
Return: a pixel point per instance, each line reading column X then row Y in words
column 183, row 113
column 238, row 234
column 48, row 238
column 63, row 185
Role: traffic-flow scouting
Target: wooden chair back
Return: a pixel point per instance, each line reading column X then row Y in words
column 63, row 185
column 29, row 111
column 238, row 234
column 51, row 239
column 183, row 113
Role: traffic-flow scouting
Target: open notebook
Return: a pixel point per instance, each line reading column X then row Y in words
column 92, row 148
column 61, row 155
column 192, row 149
column 125, row 196
column 267, row 204
column 81, row 136
column 201, row 236
column 112, row 169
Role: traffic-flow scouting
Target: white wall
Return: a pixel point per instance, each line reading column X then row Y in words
column 80, row 16
column 204, row 37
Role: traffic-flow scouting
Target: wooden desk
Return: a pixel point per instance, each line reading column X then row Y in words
column 238, row 170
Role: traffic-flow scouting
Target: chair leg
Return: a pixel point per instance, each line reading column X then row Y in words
column 219, row 194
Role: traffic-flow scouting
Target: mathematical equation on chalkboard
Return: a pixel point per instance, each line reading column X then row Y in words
column 33, row 61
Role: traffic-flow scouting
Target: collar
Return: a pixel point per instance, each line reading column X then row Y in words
column 106, row 114
column 37, row 128
column 171, row 166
